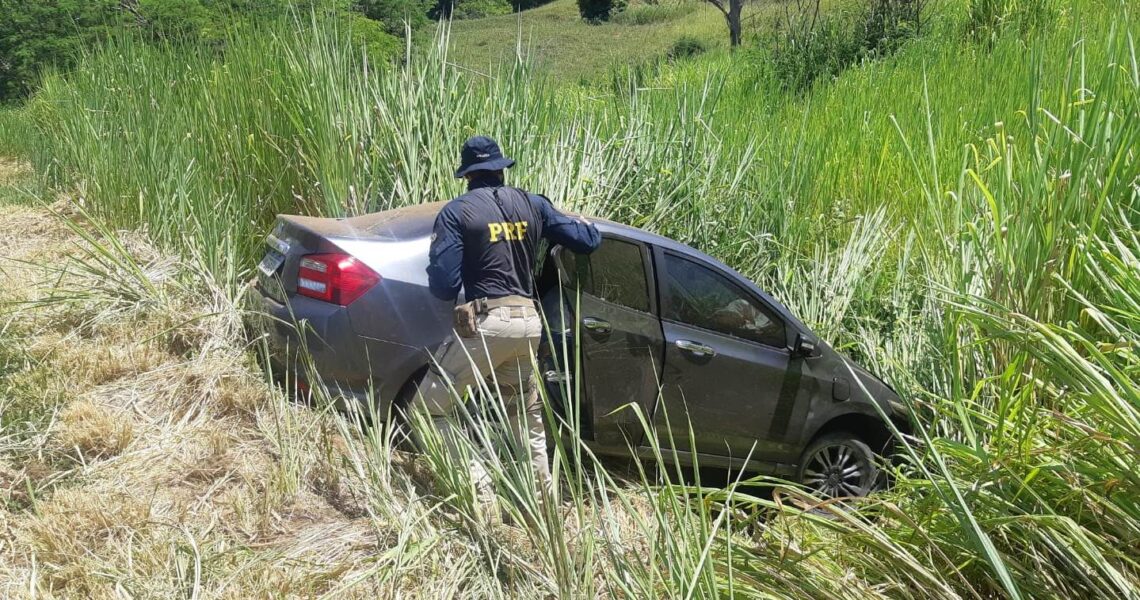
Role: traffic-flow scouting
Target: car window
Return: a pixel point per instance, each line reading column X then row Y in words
column 698, row 296
column 615, row 272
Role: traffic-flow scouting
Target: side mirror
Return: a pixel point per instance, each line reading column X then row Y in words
column 804, row 346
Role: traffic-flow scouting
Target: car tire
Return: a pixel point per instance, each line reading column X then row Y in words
column 839, row 464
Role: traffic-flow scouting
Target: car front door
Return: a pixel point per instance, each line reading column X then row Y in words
column 726, row 363
column 622, row 346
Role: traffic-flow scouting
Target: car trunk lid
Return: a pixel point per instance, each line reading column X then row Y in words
column 295, row 236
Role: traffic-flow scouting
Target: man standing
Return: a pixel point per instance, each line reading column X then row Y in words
column 486, row 241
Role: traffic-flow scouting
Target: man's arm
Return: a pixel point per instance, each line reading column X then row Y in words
column 579, row 235
column 445, row 258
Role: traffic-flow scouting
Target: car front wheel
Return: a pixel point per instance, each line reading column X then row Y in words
column 838, row 465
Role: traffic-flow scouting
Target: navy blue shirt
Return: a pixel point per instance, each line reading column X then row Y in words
column 486, row 240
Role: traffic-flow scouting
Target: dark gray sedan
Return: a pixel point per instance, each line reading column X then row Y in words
column 655, row 323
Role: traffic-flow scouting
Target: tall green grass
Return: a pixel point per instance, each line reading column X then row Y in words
column 18, row 183
column 14, row 131
column 960, row 216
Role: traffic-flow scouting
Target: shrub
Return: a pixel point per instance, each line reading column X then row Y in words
column 686, row 46
column 887, row 24
column 378, row 44
column 396, row 15
column 805, row 46
column 474, row 9
column 173, row 20
column 797, row 59
column 600, row 10
column 525, row 4
column 988, row 18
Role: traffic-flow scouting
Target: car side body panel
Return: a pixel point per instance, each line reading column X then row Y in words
column 369, row 350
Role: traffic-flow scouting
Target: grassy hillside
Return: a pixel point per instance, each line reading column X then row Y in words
column 961, row 216
column 556, row 40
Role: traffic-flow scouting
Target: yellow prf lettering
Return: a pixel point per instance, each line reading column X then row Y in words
column 511, row 232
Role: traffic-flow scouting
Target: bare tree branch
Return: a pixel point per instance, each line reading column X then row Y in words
column 731, row 12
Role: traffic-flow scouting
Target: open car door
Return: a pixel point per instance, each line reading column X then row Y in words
column 620, row 341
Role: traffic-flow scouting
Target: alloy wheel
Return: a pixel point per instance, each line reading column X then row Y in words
column 840, row 468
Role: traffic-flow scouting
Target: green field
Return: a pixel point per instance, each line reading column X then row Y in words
column 961, row 215
column 556, row 40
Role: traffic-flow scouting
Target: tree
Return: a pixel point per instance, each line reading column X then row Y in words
column 47, row 34
column 731, row 13
column 370, row 35
column 39, row 35
column 171, row 20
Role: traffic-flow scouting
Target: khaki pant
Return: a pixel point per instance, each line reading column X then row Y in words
column 500, row 355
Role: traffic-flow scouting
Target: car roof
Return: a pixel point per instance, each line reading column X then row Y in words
column 416, row 221
column 646, row 237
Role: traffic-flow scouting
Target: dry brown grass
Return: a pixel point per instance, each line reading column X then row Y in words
column 13, row 170
column 92, row 431
column 153, row 454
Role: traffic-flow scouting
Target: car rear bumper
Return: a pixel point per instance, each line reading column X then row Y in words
column 316, row 341
column 308, row 334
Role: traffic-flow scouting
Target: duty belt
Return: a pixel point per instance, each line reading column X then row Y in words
column 482, row 305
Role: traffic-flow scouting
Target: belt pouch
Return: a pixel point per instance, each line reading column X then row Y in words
column 465, row 320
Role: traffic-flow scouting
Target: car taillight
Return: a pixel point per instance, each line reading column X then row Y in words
column 336, row 278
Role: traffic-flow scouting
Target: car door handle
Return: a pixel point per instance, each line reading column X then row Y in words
column 597, row 325
column 694, row 348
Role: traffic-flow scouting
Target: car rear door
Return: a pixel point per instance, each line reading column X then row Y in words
column 726, row 362
column 622, row 345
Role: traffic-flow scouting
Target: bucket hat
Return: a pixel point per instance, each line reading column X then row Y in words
column 481, row 154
